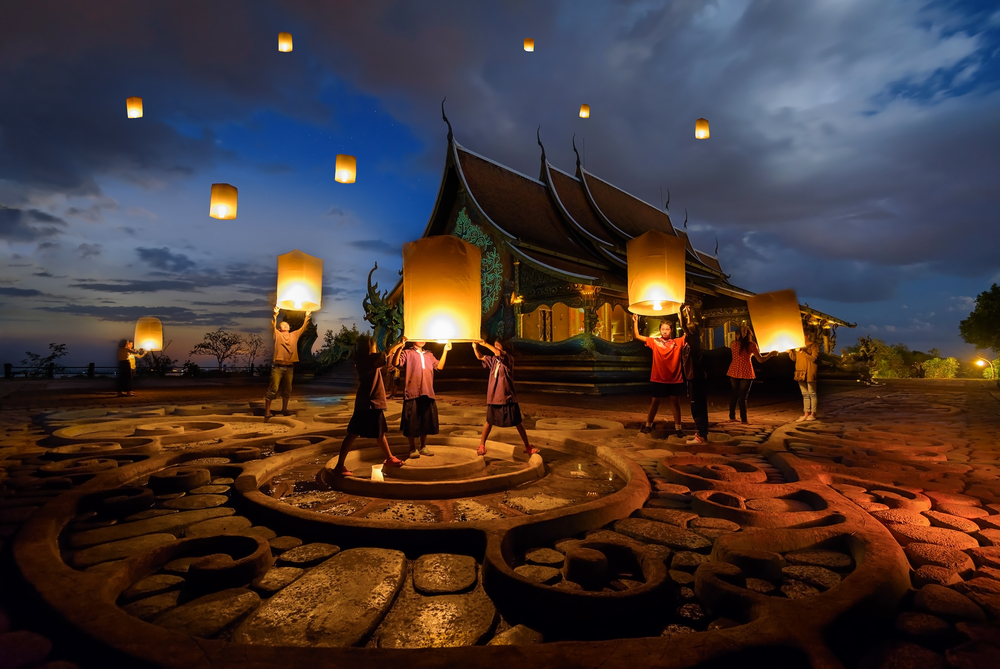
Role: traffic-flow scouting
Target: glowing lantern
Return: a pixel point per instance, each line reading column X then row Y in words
column 656, row 277
column 148, row 334
column 776, row 320
column 134, row 107
column 701, row 129
column 442, row 290
column 223, row 202
column 347, row 169
column 584, row 111
column 300, row 281
column 377, row 473
column 529, row 44
column 284, row 42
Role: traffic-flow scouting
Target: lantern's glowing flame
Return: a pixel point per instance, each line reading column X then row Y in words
column 657, row 306
column 221, row 211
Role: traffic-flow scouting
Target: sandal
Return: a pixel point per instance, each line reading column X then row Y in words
column 481, row 450
column 393, row 462
column 530, row 450
column 343, row 472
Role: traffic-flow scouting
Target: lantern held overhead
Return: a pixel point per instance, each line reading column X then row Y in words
column 134, row 107
column 529, row 44
column 701, row 129
column 284, row 42
column 584, row 111
column 148, row 334
column 777, row 321
column 300, row 281
column 442, row 290
column 656, row 276
column 223, row 204
column 347, row 169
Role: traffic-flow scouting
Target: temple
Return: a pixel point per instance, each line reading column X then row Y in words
column 554, row 273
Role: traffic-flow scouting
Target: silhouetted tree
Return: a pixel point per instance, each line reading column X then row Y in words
column 982, row 327
column 221, row 344
column 38, row 364
column 253, row 346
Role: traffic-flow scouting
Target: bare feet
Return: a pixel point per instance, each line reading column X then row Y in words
column 342, row 471
column 481, row 450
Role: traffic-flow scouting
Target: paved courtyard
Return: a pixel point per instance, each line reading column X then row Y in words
column 178, row 530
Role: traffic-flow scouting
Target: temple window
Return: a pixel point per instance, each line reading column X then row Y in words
column 553, row 323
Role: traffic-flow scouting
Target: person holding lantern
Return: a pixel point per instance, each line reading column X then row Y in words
column 666, row 377
column 741, row 374
column 420, row 417
column 806, row 371
column 286, row 354
column 502, row 409
column 694, row 373
column 126, row 366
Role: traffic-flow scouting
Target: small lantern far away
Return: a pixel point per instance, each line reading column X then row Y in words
column 300, row 281
column 701, row 129
column 223, row 205
column 442, row 290
column 148, row 334
column 584, row 111
column 529, row 44
column 284, row 42
column 656, row 275
column 347, row 169
column 134, row 107
column 776, row 320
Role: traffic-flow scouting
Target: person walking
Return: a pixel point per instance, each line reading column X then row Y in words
column 368, row 419
column 666, row 377
column 286, row 354
column 694, row 373
column 741, row 374
column 502, row 408
column 420, row 416
column 126, row 366
column 806, row 371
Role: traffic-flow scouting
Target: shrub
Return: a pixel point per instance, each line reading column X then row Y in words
column 937, row 368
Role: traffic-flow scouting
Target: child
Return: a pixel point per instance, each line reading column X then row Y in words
column 501, row 402
column 368, row 419
column 666, row 378
column 694, row 372
column 420, row 417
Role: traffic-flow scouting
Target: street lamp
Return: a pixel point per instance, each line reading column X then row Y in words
column 982, row 362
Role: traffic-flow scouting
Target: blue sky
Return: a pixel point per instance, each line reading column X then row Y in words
column 853, row 150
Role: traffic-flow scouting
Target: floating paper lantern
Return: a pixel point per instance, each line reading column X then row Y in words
column 776, row 320
column 134, row 107
column 300, row 281
column 584, row 111
column 347, row 169
column 284, row 42
column 529, row 44
column 148, row 334
column 223, row 202
column 701, row 129
column 442, row 290
column 656, row 277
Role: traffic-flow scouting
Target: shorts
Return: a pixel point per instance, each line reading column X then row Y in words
column 281, row 382
column 420, row 417
column 668, row 389
column 368, row 423
column 503, row 415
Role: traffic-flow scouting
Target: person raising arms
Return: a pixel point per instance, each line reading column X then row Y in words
column 420, row 416
column 502, row 408
column 666, row 378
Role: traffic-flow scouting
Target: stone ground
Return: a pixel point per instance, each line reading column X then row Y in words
column 174, row 528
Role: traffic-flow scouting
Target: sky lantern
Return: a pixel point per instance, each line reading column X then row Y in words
column 347, row 169
column 701, row 129
column 776, row 320
column 148, row 334
column 656, row 276
column 442, row 290
column 223, row 204
column 134, row 107
column 529, row 44
column 584, row 111
column 284, row 42
column 300, row 281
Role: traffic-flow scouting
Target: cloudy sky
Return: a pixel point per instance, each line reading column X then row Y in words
column 853, row 156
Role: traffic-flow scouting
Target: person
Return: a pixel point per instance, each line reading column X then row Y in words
column 805, row 374
column 694, row 373
column 126, row 366
column 666, row 377
column 368, row 419
column 502, row 408
column 741, row 374
column 286, row 354
column 420, row 417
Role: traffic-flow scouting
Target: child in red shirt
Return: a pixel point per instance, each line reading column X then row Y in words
column 666, row 378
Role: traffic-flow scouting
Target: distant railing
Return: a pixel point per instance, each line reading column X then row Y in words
column 53, row 370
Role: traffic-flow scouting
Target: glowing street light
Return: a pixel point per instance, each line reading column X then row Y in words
column 982, row 362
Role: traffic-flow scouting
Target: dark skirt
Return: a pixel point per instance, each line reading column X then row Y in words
column 668, row 389
column 503, row 415
column 368, row 423
column 124, row 379
column 420, row 417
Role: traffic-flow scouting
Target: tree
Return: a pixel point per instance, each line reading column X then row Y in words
column 337, row 347
column 221, row 344
column 158, row 362
column 253, row 346
column 982, row 327
column 938, row 368
column 37, row 364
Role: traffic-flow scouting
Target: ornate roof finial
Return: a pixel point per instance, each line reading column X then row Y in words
column 451, row 136
column 716, row 247
column 576, row 152
column 538, row 134
column 666, row 207
column 685, row 219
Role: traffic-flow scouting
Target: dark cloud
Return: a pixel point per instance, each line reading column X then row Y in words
column 89, row 250
column 169, row 315
column 162, row 258
column 28, row 225
column 376, row 245
column 20, row 292
column 48, row 275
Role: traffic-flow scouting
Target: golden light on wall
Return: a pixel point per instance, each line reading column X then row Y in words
column 442, row 290
column 584, row 111
column 300, row 281
column 148, row 334
column 656, row 276
column 776, row 321
column 134, row 107
column 529, row 44
column 347, row 169
column 701, row 129
column 223, row 205
column 284, row 42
